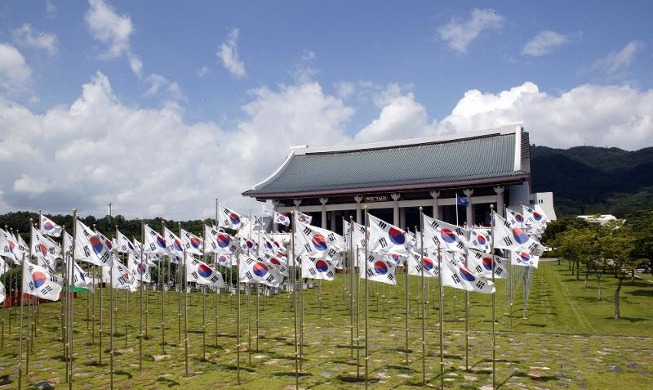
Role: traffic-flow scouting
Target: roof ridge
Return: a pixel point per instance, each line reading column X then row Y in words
column 436, row 139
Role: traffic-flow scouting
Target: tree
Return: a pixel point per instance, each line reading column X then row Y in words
column 642, row 223
column 617, row 246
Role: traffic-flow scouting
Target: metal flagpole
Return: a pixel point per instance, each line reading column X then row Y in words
column 406, row 290
column 293, row 275
column 238, row 320
column 69, row 298
column 494, row 307
column 441, row 318
column 352, row 269
column 2, row 340
column 140, row 322
column 204, row 323
column 467, row 322
column 367, row 300
column 258, row 285
column 64, row 308
column 249, row 323
column 100, row 287
column 358, row 315
column 20, row 330
column 162, row 303
column 424, row 294
column 185, row 286
column 111, row 321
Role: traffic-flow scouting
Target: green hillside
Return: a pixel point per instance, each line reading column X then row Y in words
column 588, row 180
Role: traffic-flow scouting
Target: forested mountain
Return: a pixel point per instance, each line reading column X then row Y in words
column 591, row 180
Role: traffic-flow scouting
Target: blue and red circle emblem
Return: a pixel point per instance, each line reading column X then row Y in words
column 380, row 268
column 96, row 244
column 519, row 235
column 319, row 242
column 204, row 271
column 396, row 236
column 321, row 265
column 448, row 236
column 465, row 274
column 39, row 279
column 260, row 269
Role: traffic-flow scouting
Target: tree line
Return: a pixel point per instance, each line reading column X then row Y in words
column 616, row 248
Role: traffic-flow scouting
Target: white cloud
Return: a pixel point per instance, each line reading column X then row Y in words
column 345, row 89
column 159, row 85
column 109, row 28
column 50, row 8
column 544, row 42
column 228, row 53
column 152, row 162
column 304, row 72
column 616, row 62
column 586, row 115
column 26, row 36
column 135, row 64
column 15, row 74
column 203, row 71
column 459, row 34
column 401, row 117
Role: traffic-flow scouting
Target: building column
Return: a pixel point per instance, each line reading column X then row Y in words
column 500, row 199
column 470, row 211
column 275, row 204
column 436, row 206
column 395, row 208
column 297, row 202
column 358, row 199
column 323, row 202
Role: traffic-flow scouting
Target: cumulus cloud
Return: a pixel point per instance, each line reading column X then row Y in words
column 459, row 34
column 151, row 162
column 400, row 117
column 544, row 43
column 50, row 8
column 617, row 62
column 26, row 36
column 154, row 162
column 304, row 71
column 159, row 84
column 228, row 54
column 109, row 28
column 15, row 74
column 586, row 115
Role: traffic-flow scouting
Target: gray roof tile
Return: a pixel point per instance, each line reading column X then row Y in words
column 478, row 158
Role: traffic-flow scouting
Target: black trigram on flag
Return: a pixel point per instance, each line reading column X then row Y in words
column 383, row 242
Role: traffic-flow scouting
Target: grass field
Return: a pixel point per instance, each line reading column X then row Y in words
column 568, row 339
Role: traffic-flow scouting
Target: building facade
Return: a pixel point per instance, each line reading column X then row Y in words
column 456, row 179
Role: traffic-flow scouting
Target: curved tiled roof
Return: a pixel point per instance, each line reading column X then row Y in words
column 485, row 158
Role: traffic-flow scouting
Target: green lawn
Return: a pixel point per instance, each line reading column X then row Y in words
column 568, row 339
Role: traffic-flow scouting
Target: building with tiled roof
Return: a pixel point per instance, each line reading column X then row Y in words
column 394, row 179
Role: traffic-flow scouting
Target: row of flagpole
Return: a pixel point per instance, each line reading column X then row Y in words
column 297, row 288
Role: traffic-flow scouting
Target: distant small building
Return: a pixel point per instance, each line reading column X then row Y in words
column 453, row 178
column 601, row 219
column 544, row 201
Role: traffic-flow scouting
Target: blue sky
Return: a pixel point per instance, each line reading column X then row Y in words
column 162, row 106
